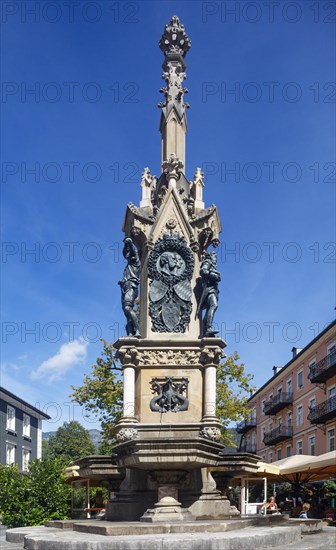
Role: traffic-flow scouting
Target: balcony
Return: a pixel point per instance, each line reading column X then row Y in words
column 248, row 448
column 278, row 434
column 323, row 412
column 246, row 424
column 280, row 401
column 323, row 370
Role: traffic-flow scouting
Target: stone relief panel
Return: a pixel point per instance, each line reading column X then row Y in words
column 170, row 268
column 170, row 395
column 169, row 357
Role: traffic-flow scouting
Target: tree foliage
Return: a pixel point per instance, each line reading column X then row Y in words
column 233, row 390
column 35, row 497
column 101, row 393
column 71, row 441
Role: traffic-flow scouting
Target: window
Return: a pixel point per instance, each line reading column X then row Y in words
column 279, row 424
column 26, row 425
column 331, row 392
column 311, row 444
column 289, row 419
column 288, row 451
column 289, row 386
column 263, row 407
column 299, row 448
column 299, row 419
column 331, row 354
column 270, row 457
column 279, row 392
column 312, row 367
column 254, row 415
column 10, row 418
column 10, row 454
column 270, row 426
column 279, row 454
column 300, row 379
column 331, row 439
column 25, row 459
column 263, row 433
column 312, row 403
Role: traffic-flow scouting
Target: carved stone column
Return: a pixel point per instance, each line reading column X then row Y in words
column 129, row 360
column 210, row 357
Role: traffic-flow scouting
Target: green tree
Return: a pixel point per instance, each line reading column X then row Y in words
column 35, row 497
column 70, row 442
column 101, row 394
column 233, row 390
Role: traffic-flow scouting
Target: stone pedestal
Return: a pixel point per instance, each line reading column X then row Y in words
column 168, row 508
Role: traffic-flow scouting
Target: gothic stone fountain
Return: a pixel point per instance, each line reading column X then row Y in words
column 169, row 435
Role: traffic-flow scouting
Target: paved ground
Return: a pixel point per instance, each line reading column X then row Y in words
column 320, row 541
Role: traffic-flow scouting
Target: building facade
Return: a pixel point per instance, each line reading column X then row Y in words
column 294, row 412
column 20, row 430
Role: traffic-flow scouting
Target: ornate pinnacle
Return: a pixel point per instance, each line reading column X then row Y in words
column 174, row 39
column 174, row 44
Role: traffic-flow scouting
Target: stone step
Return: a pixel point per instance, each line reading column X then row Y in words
column 244, row 539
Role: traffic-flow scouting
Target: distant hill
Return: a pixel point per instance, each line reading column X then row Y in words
column 95, row 435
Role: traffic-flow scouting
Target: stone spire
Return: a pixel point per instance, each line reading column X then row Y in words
column 174, row 44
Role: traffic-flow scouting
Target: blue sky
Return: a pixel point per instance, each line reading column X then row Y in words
column 80, row 89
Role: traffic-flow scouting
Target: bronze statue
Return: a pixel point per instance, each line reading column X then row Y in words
column 129, row 287
column 209, row 297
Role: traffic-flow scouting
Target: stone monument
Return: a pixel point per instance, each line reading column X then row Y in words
column 169, row 435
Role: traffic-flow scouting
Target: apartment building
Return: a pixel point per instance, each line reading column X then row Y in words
column 20, row 430
column 294, row 412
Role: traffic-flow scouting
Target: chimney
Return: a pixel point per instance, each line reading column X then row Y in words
column 276, row 370
column 295, row 351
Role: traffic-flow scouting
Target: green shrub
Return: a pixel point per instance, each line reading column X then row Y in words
column 35, row 497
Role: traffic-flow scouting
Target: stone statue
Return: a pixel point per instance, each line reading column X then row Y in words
column 129, row 287
column 209, row 297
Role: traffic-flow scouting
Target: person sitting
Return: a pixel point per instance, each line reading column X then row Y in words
column 305, row 510
column 271, row 506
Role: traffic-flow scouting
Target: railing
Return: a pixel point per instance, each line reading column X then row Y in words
column 248, row 448
column 280, row 401
column 278, row 434
column 324, row 369
column 323, row 412
column 246, row 424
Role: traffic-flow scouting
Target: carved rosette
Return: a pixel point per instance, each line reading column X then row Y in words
column 211, row 433
column 170, row 269
column 127, row 434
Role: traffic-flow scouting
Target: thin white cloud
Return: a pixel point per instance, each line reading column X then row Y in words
column 69, row 355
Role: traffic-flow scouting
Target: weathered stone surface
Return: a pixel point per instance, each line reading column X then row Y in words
column 244, row 539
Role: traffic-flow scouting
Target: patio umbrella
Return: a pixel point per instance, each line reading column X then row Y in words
column 304, row 468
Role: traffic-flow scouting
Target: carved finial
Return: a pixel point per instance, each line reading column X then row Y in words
column 197, row 189
column 147, row 184
column 174, row 38
column 172, row 167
